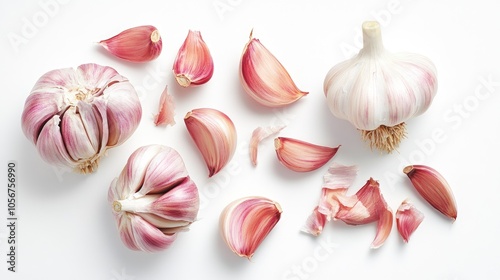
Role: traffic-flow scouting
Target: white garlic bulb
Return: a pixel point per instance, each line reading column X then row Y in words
column 378, row 91
column 74, row 115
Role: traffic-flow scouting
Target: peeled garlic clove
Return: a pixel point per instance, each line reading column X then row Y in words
column 315, row 223
column 378, row 91
column 301, row 156
column 73, row 116
column 264, row 78
column 194, row 64
column 246, row 222
column 166, row 109
column 408, row 218
column 215, row 136
column 259, row 134
column 432, row 186
column 153, row 198
column 137, row 44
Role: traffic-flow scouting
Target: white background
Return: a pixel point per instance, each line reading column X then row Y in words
column 66, row 229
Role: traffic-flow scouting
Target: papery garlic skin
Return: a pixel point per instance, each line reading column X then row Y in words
column 136, row 44
column 378, row 91
column 215, row 136
column 434, row 188
column 264, row 78
column 74, row 115
column 408, row 218
column 301, row 156
column 153, row 198
column 366, row 206
column 166, row 109
column 245, row 223
column 193, row 64
column 259, row 134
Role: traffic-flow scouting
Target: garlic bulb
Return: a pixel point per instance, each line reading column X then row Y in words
column 153, row 198
column 74, row 116
column 378, row 91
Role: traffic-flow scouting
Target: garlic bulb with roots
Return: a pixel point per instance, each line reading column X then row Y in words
column 378, row 91
column 74, row 116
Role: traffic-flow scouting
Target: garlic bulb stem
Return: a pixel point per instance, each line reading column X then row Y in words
column 135, row 205
column 372, row 39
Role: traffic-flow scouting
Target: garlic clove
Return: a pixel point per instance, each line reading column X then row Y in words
column 166, row 109
column 432, row 186
column 315, row 223
column 264, row 78
column 179, row 203
column 35, row 116
column 245, row 223
column 132, row 178
column 301, row 156
column 50, row 145
column 378, row 91
column 137, row 44
column 123, row 112
column 76, row 137
column 384, row 227
column 408, row 218
column 161, row 222
column 215, row 136
column 147, row 237
column 259, row 134
column 194, row 64
column 165, row 171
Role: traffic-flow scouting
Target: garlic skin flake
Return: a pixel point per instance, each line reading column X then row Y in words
column 259, row 134
column 153, row 199
column 408, row 218
column 301, row 156
column 166, row 109
column 215, row 136
column 194, row 64
column 366, row 206
column 434, row 188
column 264, row 78
column 378, row 91
column 245, row 223
column 73, row 116
column 136, row 44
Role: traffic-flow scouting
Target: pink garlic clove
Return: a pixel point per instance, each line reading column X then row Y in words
column 301, row 156
column 137, row 44
column 432, row 186
column 194, row 64
column 215, row 136
column 264, row 78
column 246, row 222
column 408, row 218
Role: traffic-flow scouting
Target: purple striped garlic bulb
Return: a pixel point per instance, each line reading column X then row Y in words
column 153, row 199
column 378, row 91
column 73, row 116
